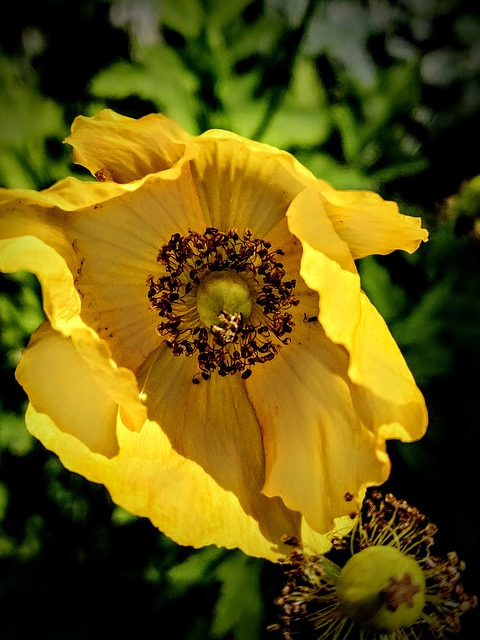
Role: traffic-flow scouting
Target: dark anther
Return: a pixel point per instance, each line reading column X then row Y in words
column 232, row 345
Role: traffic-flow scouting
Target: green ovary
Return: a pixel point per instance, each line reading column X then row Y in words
column 223, row 291
column 382, row 588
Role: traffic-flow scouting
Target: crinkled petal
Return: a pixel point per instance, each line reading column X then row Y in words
column 116, row 247
column 71, row 389
column 317, row 448
column 69, row 194
column 61, row 301
column 368, row 224
column 89, row 357
column 348, row 318
column 150, row 478
column 298, row 172
column 122, row 149
column 63, row 307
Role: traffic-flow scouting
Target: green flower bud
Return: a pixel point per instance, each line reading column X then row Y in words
column 381, row 588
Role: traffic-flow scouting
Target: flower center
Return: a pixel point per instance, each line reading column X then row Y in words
column 222, row 297
column 223, row 292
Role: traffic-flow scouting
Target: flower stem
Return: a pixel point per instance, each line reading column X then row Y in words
column 288, row 49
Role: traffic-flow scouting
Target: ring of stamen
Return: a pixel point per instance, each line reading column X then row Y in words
column 222, row 298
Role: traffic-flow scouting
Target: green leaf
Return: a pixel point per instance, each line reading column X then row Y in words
column 3, row 500
column 184, row 16
column 221, row 13
column 348, row 125
column 467, row 201
column 160, row 77
column 14, row 436
column 421, row 334
column 121, row 517
column 196, row 569
column 27, row 120
column 303, row 119
column 238, row 612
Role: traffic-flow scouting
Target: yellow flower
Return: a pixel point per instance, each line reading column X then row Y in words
column 209, row 355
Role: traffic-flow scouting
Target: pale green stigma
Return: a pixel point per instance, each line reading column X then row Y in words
column 223, row 292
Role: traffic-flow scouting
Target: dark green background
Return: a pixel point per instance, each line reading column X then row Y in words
column 375, row 95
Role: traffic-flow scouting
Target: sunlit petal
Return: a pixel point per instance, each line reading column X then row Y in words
column 368, row 224
column 61, row 384
column 241, row 184
column 122, row 149
column 116, row 246
column 178, row 496
column 317, row 449
column 349, row 319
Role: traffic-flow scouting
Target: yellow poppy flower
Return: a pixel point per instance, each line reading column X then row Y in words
column 209, row 355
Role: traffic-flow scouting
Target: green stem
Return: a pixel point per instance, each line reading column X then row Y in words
column 331, row 569
column 290, row 56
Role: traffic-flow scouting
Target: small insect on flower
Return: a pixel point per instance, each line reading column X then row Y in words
column 231, row 323
column 380, row 582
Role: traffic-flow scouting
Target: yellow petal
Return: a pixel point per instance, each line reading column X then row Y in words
column 116, row 247
column 61, row 301
column 213, row 424
column 122, row 149
column 84, row 361
column 298, row 172
column 95, row 261
column 317, row 449
column 229, row 462
column 242, row 184
column 348, row 318
column 62, row 305
column 60, row 384
column 68, row 194
column 368, row 224
column 149, row 478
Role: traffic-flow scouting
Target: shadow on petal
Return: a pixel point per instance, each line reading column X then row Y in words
column 60, row 384
column 214, row 424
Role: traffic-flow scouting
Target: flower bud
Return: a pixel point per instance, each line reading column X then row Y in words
column 381, row 588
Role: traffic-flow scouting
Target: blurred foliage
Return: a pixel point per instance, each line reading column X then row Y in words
column 368, row 94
